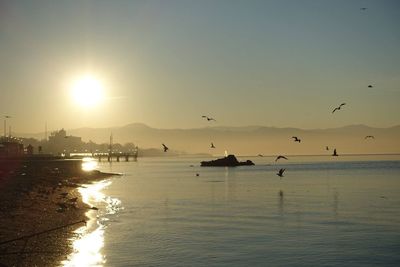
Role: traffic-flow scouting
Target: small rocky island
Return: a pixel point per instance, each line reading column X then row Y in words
column 229, row 161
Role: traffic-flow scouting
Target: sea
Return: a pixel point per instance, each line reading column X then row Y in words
column 169, row 211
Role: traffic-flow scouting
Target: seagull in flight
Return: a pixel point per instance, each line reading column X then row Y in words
column 280, row 157
column 335, row 153
column 369, row 136
column 370, row 86
column 280, row 173
column 208, row 118
column 165, row 148
column 296, row 139
column 212, row 145
column 338, row 108
column 363, row 8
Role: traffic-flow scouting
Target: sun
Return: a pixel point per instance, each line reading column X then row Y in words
column 87, row 91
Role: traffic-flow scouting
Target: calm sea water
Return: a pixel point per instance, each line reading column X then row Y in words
column 326, row 211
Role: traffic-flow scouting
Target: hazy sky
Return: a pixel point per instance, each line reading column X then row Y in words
column 166, row 63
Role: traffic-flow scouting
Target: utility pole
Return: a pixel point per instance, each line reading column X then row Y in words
column 110, row 148
column 45, row 131
column 5, row 124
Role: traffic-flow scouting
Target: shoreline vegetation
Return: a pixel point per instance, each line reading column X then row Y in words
column 39, row 212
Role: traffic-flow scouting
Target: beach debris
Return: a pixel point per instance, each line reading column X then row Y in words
column 73, row 199
column 94, row 208
column 26, row 237
column 61, row 207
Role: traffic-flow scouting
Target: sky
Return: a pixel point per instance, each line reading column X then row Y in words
column 167, row 63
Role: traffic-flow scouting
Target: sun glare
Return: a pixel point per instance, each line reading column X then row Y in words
column 87, row 91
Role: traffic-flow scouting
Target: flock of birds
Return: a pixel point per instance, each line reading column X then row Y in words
column 295, row 139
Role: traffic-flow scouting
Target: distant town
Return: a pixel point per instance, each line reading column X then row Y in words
column 60, row 144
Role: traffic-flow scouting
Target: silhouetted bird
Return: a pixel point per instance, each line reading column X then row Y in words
column 280, row 173
column 280, row 157
column 212, row 145
column 327, row 148
column 260, row 155
column 363, row 8
column 165, row 148
column 7, row 117
column 335, row 153
column 369, row 136
column 370, row 86
column 338, row 108
column 208, row 118
column 296, row 139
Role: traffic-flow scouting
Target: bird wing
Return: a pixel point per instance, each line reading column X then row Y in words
column 342, row 104
column 335, row 110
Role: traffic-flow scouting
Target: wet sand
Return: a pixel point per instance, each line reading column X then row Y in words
column 33, row 204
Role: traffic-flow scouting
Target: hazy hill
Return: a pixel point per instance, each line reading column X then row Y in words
column 251, row 140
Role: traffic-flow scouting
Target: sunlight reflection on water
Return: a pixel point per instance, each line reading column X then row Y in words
column 89, row 164
column 90, row 239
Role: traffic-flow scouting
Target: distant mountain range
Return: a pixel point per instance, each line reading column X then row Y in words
column 250, row 140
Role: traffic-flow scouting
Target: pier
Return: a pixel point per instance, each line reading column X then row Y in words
column 117, row 156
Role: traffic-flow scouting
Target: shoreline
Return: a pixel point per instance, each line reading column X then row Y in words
column 39, row 215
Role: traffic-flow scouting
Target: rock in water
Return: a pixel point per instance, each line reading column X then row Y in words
column 229, row 161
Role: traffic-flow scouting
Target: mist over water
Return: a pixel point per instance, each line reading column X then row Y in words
column 325, row 211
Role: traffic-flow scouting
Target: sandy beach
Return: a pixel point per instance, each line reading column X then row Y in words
column 47, row 203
